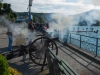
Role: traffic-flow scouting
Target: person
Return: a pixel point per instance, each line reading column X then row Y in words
column 41, row 27
column 10, row 36
column 44, row 28
column 31, row 26
column 10, row 40
column 47, row 25
column 37, row 26
column 66, row 37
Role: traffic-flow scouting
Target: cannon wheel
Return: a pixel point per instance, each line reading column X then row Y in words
column 38, row 47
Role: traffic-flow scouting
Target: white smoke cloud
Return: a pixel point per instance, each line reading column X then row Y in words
column 19, row 30
column 63, row 21
column 96, row 2
column 92, row 17
column 61, row 25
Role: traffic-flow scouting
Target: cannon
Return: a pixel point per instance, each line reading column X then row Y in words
column 36, row 49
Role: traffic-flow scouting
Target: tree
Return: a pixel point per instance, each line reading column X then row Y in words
column 7, row 8
column 35, row 19
column 5, row 5
column 1, row 6
column 41, row 19
column 14, row 14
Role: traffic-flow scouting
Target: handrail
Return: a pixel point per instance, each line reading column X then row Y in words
column 86, row 36
column 58, row 66
column 81, row 41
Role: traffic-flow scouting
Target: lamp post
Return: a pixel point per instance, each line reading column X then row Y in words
column 30, row 4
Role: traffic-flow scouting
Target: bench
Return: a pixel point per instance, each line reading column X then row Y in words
column 58, row 66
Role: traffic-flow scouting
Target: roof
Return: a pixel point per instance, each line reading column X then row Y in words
column 21, row 20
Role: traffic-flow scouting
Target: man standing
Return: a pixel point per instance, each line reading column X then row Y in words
column 10, row 40
column 10, row 36
column 31, row 26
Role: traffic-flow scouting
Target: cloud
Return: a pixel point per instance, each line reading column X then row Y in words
column 96, row 2
column 56, row 6
column 69, row 8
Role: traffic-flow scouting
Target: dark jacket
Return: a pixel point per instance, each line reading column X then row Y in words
column 30, row 26
column 9, row 33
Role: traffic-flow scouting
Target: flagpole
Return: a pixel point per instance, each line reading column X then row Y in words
column 29, row 13
column 30, row 4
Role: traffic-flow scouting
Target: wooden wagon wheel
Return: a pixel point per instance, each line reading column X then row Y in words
column 38, row 47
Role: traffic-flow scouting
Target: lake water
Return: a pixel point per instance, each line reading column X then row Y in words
column 90, row 38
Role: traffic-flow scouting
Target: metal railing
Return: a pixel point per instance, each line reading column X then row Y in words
column 58, row 66
column 91, row 44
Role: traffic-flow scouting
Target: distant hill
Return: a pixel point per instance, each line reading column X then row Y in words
column 37, row 16
column 91, row 17
column 25, row 14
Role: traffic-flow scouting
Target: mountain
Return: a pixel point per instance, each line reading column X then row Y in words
column 91, row 17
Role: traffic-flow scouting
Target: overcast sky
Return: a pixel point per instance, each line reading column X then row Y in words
column 55, row 6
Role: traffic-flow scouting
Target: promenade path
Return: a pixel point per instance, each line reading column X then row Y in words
column 26, row 67
column 82, row 65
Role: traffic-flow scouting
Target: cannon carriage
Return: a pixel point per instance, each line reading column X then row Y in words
column 39, row 46
column 36, row 49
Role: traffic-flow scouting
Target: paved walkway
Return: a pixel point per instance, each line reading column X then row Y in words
column 26, row 67
column 81, row 64
column 4, row 40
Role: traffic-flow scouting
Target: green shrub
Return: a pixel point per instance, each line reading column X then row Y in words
column 4, row 66
column 14, row 71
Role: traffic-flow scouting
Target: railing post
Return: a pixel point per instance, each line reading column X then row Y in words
column 56, row 67
column 80, row 40
column 96, row 47
column 50, row 63
column 70, row 37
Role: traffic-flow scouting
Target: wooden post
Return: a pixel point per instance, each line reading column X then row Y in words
column 50, row 63
column 56, row 67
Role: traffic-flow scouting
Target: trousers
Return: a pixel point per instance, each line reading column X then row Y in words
column 10, row 43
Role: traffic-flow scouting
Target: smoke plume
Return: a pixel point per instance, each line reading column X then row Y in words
column 19, row 30
column 62, row 23
column 96, row 2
